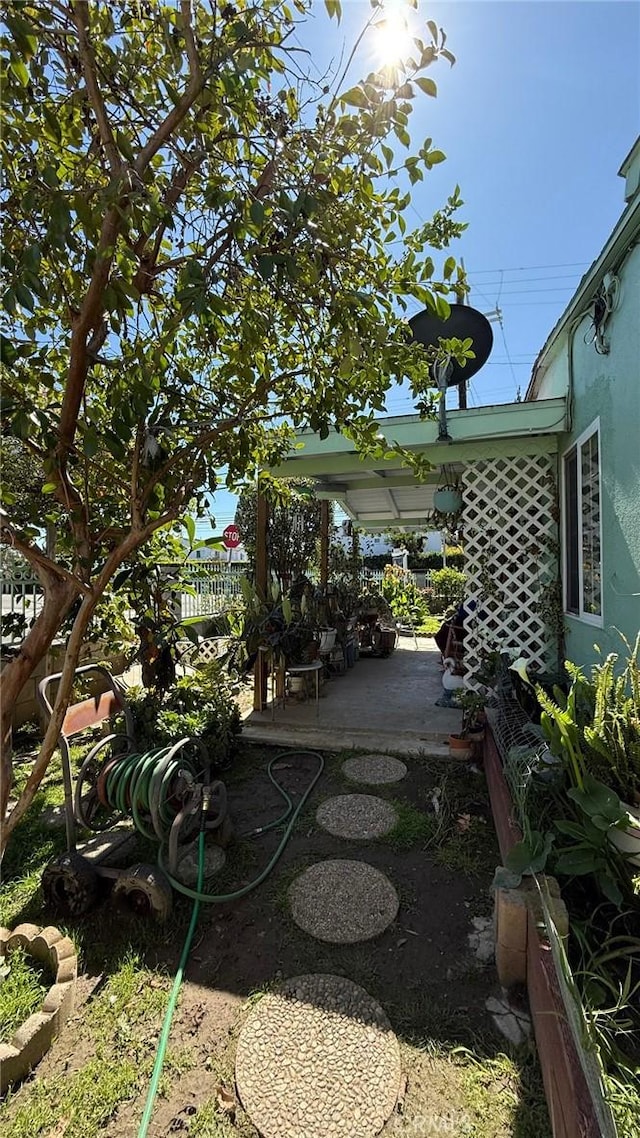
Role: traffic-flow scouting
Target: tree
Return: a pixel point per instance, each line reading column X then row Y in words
column 293, row 531
column 200, row 256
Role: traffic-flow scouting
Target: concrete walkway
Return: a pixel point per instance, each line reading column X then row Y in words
column 386, row 705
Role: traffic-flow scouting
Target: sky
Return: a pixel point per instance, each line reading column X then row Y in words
column 536, row 117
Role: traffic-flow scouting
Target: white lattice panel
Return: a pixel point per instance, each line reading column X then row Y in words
column 510, row 532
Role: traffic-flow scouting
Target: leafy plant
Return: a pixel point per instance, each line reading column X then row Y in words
column 201, row 704
column 293, row 528
column 596, row 727
column 405, row 599
column 473, row 713
column 448, row 586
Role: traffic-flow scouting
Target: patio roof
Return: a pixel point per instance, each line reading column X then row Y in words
column 382, row 493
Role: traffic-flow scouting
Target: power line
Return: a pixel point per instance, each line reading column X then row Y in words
column 529, row 280
column 526, row 268
column 523, row 291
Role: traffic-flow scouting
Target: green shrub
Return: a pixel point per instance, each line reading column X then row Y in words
column 200, row 704
column 420, row 562
column 448, row 587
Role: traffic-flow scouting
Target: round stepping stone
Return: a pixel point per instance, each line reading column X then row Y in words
column 374, row 769
column 343, row 902
column 318, row 1059
column 357, row 816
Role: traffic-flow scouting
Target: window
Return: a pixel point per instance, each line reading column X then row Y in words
column 581, row 526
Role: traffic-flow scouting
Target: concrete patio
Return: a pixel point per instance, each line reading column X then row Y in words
column 381, row 704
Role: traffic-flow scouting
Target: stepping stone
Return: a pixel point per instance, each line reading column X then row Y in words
column 356, row 816
column 375, row 770
column 343, row 902
column 318, row 1059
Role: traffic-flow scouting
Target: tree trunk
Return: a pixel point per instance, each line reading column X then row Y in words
column 52, row 733
column 59, row 596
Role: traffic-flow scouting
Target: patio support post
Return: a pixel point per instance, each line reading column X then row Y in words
column 324, row 544
column 261, row 666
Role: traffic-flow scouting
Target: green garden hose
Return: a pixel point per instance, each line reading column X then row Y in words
column 289, row 814
column 142, row 788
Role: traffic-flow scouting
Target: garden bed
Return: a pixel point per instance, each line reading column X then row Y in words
column 462, row 1075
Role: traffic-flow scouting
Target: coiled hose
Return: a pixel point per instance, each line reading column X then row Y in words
column 142, row 784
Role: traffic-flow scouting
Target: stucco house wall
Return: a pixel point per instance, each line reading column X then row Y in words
column 605, row 389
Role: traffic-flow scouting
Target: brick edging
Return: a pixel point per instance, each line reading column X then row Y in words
column 34, row 1037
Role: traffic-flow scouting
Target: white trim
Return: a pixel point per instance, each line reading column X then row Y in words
column 576, row 444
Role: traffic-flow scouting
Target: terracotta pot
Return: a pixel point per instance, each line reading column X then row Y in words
column 628, row 840
column 460, row 747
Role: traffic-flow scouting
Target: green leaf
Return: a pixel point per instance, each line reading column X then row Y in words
column 355, row 98
column 449, row 267
column 21, row 72
column 49, row 488
column 334, row 8
column 576, row 862
column 24, row 297
column 427, row 86
column 504, row 878
column 266, row 266
column 257, row 212
column 124, row 146
column 189, row 524
column 434, row 157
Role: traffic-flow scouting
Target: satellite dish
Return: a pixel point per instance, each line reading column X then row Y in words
column 463, row 323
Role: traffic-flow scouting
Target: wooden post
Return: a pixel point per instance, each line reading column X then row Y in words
column 261, row 667
column 324, row 544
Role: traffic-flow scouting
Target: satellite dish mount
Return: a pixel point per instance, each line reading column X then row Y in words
column 463, row 323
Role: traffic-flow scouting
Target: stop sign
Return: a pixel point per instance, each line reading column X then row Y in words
column 231, row 537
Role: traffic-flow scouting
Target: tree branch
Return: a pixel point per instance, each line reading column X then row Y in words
column 38, row 559
column 175, row 117
column 81, row 17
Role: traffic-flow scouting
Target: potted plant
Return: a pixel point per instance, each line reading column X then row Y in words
column 474, row 717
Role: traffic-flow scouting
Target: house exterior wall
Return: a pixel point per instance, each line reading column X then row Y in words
column 607, row 388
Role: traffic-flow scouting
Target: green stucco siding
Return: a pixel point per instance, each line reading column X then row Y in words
column 607, row 387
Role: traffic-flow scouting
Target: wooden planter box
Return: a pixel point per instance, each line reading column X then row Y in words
column 570, row 1107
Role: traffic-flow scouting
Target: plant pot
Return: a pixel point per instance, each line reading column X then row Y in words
column 327, row 640
column 460, row 747
column 447, row 500
column 628, row 840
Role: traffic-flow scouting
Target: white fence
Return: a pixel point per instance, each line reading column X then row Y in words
column 216, row 586
column 212, row 587
column 21, row 600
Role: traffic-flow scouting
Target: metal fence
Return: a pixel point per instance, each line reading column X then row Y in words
column 211, row 587
column 22, row 598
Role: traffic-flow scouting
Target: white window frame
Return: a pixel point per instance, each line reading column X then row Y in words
column 588, row 618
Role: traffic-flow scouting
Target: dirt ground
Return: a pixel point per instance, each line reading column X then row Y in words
column 421, row 969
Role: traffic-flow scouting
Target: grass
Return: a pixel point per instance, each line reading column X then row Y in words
column 22, row 991
column 413, row 828
column 119, row 1032
column 429, row 625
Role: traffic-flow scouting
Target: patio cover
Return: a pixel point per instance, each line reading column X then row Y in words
column 382, row 494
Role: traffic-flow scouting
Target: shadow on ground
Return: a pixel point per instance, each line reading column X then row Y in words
column 462, row 1076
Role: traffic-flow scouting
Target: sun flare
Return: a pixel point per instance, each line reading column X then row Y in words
column 394, row 40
